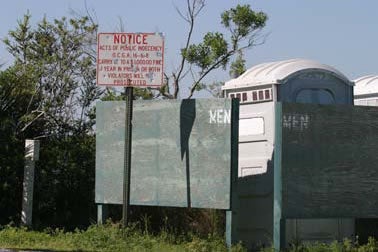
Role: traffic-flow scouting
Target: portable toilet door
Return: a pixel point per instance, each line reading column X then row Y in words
column 296, row 80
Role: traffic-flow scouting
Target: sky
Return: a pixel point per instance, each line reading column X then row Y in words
column 339, row 33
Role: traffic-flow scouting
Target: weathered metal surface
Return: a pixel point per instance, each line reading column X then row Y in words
column 110, row 135
column 181, row 153
column 329, row 161
column 127, row 156
column 31, row 155
column 231, row 225
column 278, row 235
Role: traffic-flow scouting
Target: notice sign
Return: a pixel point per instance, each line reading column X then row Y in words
column 130, row 59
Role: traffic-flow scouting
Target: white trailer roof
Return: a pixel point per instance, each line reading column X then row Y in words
column 366, row 85
column 276, row 73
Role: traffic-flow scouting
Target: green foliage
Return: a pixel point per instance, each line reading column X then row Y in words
column 177, row 221
column 111, row 94
column 242, row 22
column 204, row 245
column 109, row 237
column 237, row 67
column 345, row 246
column 49, row 93
column 64, row 183
column 215, row 51
column 207, row 53
column 11, row 174
column 56, row 61
column 22, row 37
column 143, row 93
column 15, row 93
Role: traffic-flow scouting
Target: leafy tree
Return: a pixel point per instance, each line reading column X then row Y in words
column 64, row 183
column 237, row 67
column 15, row 98
column 14, row 94
column 215, row 51
column 49, row 92
column 57, row 60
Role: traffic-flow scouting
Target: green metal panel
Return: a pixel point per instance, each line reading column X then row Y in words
column 181, row 153
column 110, row 143
column 231, row 225
column 277, row 202
column 329, row 161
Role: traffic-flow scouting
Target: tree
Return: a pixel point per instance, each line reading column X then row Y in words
column 57, row 61
column 49, row 92
column 215, row 51
column 12, row 104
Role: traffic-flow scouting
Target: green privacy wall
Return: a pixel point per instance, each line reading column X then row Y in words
column 329, row 161
column 182, row 153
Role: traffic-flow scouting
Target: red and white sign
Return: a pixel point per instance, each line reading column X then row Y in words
column 130, row 59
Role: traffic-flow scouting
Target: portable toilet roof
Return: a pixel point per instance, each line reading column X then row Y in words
column 366, row 86
column 279, row 71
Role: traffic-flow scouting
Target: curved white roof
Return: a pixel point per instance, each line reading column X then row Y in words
column 366, row 85
column 276, row 72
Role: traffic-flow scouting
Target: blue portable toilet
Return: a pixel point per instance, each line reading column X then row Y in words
column 259, row 88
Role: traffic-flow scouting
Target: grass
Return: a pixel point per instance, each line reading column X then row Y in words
column 107, row 237
column 344, row 246
column 111, row 237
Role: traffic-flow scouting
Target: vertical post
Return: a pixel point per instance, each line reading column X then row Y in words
column 102, row 213
column 229, row 225
column 31, row 155
column 127, row 154
column 278, row 222
column 230, row 221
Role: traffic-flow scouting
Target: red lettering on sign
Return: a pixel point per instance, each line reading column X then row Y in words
column 130, row 59
column 130, row 38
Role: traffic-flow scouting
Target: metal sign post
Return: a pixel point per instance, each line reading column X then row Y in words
column 127, row 164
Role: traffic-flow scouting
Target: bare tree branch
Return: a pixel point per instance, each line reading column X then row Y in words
column 121, row 25
column 181, row 14
column 193, row 10
column 212, row 67
column 41, row 113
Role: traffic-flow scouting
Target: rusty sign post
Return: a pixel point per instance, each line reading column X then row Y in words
column 129, row 60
